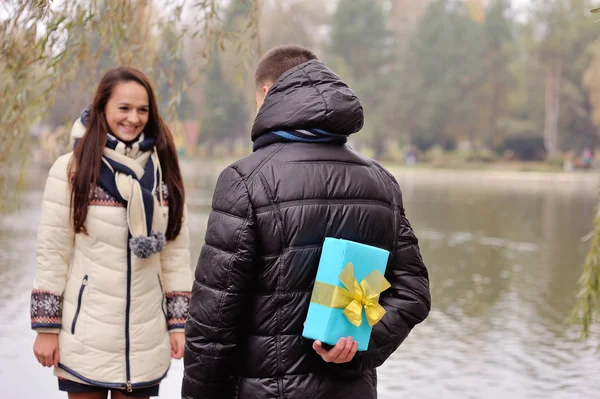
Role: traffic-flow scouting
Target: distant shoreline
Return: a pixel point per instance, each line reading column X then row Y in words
column 586, row 181
column 477, row 176
column 581, row 180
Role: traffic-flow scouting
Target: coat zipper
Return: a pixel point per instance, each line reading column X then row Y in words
column 127, row 309
column 83, row 285
column 113, row 385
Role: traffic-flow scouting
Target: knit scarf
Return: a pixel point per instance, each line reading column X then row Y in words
column 300, row 135
column 131, row 174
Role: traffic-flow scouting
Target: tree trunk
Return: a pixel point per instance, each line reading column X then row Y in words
column 494, row 112
column 554, row 70
column 379, row 147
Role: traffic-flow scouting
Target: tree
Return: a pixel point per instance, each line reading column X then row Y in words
column 403, row 19
column 97, row 54
column 302, row 19
column 54, row 51
column 361, row 46
column 566, row 32
column 498, row 53
column 525, row 119
column 225, row 116
column 359, row 36
column 588, row 298
column 552, row 18
column 443, row 76
column 592, row 82
column 171, row 86
column 587, row 307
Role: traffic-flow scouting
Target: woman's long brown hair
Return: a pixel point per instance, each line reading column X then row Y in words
column 87, row 157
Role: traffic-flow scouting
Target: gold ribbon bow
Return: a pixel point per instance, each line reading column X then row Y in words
column 355, row 296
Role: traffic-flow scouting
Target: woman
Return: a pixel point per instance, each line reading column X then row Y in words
column 112, row 287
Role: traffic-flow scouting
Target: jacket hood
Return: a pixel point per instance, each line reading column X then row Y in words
column 78, row 129
column 309, row 96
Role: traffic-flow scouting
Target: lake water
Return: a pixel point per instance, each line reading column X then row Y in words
column 503, row 259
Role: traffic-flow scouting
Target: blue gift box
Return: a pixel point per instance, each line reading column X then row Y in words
column 327, row 319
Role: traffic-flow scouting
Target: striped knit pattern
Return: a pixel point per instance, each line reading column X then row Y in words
column 99, row 197
column 317, row 135
column 300, row 135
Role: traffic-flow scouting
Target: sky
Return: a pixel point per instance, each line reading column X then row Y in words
column 519, row 5
column 56, row 3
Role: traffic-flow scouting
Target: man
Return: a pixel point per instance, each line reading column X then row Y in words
column 271, row 213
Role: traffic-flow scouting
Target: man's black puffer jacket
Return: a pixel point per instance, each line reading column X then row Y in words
column 271, row 212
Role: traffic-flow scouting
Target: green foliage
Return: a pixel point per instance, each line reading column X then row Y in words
column 49, row 52
column 359, row 36
column 526, row 100
column 225, row 114
column 524, row 147
column 588, row 299
column 171, row 89
column 361, row 52
column 443, row 73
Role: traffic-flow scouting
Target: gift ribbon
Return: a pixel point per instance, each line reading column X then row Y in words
column 355, row 297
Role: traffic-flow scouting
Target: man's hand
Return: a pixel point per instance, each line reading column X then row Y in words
column 342, row 352
column 45, row 349
column 177, row 344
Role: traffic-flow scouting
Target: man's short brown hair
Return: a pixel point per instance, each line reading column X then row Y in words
column 278, row 60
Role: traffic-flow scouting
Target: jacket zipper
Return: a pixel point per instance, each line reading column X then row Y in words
column 162, row 304
column 115, row 385
column 127, row 309
column 83, row 285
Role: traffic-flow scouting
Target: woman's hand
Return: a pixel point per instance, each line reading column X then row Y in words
column 177, row 344
column 45, row 349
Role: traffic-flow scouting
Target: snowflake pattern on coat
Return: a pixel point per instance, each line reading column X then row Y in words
column 46, row 309
column 178, row 304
